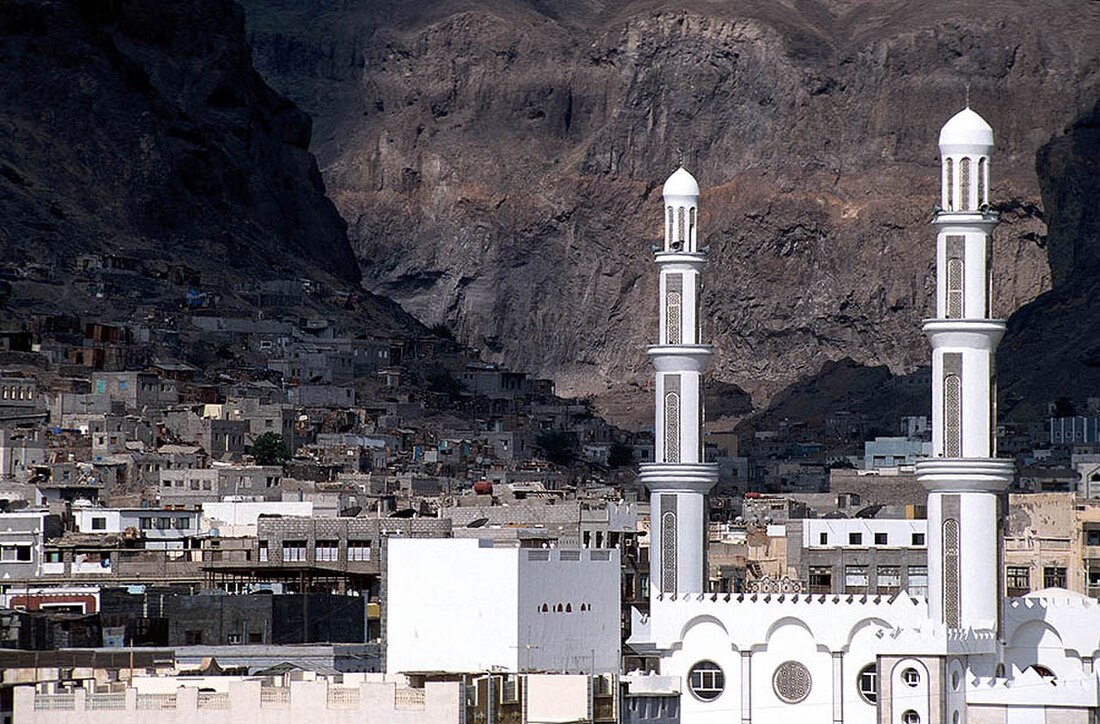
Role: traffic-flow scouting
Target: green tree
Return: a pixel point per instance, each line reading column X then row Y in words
column 269, row 449
column 620, row 454
column 558, row 446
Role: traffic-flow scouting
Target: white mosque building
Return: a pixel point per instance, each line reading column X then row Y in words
column 966, row 654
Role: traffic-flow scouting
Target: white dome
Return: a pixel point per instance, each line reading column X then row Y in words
column 681, row 183
column 966, row 128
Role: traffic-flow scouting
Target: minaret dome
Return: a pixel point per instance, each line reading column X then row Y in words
column 966, row 132
column 681, row 184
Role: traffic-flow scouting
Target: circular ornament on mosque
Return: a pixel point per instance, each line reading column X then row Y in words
column 791, row 682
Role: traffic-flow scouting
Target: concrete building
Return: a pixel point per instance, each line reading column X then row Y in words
column 858, row 556
column 893, row 452
column 463, row 605
column 23, row 536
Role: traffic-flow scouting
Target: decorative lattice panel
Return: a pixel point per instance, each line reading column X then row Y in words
column 672, row 428
column 952, row 416
column 680, row 224
column 792, row 682
column 673, row 318
column 668, row 552
column 954, row 288
column 951, row 572
column 671, row 224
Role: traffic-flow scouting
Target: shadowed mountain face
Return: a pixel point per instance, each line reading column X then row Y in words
column 141, row 128
column 499, row 163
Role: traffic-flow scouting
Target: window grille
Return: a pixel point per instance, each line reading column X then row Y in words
column 673, row 307
column 964, row 184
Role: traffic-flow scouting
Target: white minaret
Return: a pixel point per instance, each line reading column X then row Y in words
column 964, row 477
column 679, row 480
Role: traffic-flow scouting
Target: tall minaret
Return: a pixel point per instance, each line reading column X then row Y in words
column 964, row 477
column 679, row 479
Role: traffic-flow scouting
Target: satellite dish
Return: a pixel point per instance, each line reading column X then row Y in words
column 478, row 523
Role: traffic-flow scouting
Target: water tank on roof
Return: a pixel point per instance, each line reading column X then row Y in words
column 483, row 487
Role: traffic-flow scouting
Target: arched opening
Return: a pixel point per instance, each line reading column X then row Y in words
column 668, row 552
column 964, row 185
column 981, row 182
column 949, row 184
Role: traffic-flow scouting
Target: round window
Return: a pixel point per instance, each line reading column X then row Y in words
column 868, row 683
column 910, row 717
column 910, row 676
column 791, row 682
column 706, row 680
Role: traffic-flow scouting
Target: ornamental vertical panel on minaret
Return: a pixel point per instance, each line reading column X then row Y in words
column 964, row 477
column 679, row 479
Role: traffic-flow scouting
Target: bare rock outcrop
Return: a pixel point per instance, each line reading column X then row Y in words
column 499, row 163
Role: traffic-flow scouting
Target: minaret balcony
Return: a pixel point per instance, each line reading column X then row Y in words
column 679, row 477
column 986, row 217
column 982, row 334
column 676, row 256
column 680, row 357
column 965, row 475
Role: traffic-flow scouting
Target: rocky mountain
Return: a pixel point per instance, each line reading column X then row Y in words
column 141, row 129
column 499, row 163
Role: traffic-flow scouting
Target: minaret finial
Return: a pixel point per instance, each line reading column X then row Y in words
column 679, row 158
column 968, row 95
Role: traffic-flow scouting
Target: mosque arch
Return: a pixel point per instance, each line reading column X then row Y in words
column 863, row 624
column 785, row 622
column 700, row 620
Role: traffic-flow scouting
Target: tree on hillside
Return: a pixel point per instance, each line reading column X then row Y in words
column 269, row 449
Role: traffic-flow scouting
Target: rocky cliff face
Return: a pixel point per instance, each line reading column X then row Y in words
column 499, row 163
column 141, row 128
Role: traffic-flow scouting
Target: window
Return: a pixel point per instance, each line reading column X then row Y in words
column 855, row 579
column 294, row 551
column 1054, row 577
column 910, row 677
column 855, row 539
column 821, row 579
column 359, row 550
column 181, row 523
column 192, row 638
column 917, row 539
column 888, row 579
column 255, row 637
column 1017, row 581
column 867, row 683
column 327, row 550
column 955, row 289
column 918, row 580
column 910, row 717
column 952, row 415
column 164, row 523
column 145, row 523
column 823, row 539
column 263, row 551
column 880, row 539
column 99, row 524
column 234, row 638
column 1092, row 537
column 706, row 681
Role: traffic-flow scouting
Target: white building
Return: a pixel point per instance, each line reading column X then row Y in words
column 963, row 654
column 462, row 605
column 237, row 518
